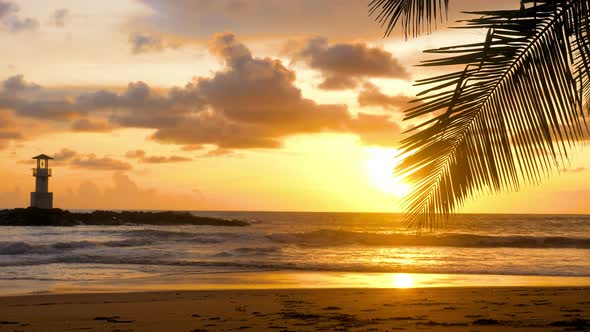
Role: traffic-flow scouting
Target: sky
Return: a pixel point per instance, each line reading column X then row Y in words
column 223, row 105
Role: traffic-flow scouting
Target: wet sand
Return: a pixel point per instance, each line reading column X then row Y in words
column 435, row 309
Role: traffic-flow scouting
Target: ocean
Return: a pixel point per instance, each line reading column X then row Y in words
column 46, row 259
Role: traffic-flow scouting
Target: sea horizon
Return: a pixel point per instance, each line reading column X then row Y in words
column 302, row 211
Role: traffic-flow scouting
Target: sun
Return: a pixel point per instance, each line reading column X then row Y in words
column 402, row 280
column 379, row 167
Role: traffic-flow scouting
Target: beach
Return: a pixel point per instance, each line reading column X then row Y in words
column 299, row 272
column 428, row 309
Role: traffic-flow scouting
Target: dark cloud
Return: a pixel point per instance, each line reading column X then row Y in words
column 336, row 19
column 10, row 135
column 251, row 103
column 143, row 157
column 372, row 96
column 190, row 148
column 144, row 43
column 147, row 43
column 137, row 106
column 219, row 153
column 90, row 161
column 255, row 104
column 60, row 110
column 142, row 107
column 16, row 84
column 65, row 155
column 6, row 8
column 87, row 125
column 344, row 66
column 27, row 100
column 11, row 21
column 60, row 17
column 203, row 18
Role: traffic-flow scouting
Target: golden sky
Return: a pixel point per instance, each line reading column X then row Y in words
column 224, row 105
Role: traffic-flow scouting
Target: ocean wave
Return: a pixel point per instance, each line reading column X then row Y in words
column 165, row 235
column 24, row 248
column 256, row 251
column 330, row 238
column 147, row 261
column 259, row 266
column 249, row 252
column 14, row 248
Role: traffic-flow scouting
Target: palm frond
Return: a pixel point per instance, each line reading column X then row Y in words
column 580, row 21
column 416, row 16
column 511, row 116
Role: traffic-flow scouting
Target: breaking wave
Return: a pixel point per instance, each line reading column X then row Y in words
column 223, row 266
column 22, row 248
column 249, row 252
column 164, row 235
column 329, row 238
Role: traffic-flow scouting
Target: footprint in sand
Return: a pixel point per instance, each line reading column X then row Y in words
column 332, row 308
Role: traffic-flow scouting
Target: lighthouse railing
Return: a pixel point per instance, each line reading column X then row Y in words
column 41, row 171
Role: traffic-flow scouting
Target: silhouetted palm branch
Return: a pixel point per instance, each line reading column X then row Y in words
column 511, row 115
column 415, row 15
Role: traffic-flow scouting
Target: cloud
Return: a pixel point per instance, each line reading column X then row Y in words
column 190, row 148
column 87, row 125
column 90, row 161
column 147, row 43
column 65, row 155
column 28, row 100
column 144, row 43
column 254, row 103
column 11, row 21
column 10, row 135
column 17, row 83
column 261, row 18
column 219, row 153
column 335, row 19
column 143, row 157
column 576, row 170
column 125, row 193
column 344, row 66
column 376, row 129
column 8, row 129
column 372, row 96
column 60, row 17
column 251, row 103
column 138, row 106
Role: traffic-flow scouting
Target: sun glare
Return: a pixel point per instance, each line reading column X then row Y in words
column 403, row 280
column 379, row 166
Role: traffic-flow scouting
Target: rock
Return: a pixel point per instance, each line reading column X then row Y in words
column 57, row 217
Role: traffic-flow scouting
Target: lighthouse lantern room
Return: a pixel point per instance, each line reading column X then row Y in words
column 42, row 198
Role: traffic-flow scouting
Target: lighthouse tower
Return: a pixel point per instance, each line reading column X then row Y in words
column 42, row 198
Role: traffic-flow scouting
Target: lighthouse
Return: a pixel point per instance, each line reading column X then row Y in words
column 42, row 198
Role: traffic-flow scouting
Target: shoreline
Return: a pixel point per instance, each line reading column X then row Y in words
column 282, row 280
column 431, row 309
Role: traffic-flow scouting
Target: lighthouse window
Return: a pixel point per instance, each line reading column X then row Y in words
column 42, row 163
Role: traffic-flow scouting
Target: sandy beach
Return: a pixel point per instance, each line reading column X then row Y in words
column 434, row 309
